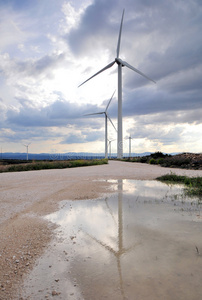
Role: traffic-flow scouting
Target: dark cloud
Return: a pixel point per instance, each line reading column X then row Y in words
column 40, row 66
column 59, row 113
column 173, row 118
column 94, row 28
column 28, row 122
column 144, row 102
column 161, row 38
column 157, row 133
column 84, row 137
column 173, row 29
column 20, row 134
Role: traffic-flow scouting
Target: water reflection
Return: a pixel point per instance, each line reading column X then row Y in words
column 121, row 249
column 138, row 241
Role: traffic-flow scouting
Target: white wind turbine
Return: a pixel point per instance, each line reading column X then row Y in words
column 120, row 64
column 106, row 117
column 129, row 138
column 110, row 148
column 27, row 146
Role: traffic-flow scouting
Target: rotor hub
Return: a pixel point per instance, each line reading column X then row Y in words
column 117, row 60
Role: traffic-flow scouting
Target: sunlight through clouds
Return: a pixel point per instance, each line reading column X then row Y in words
column 49, row 48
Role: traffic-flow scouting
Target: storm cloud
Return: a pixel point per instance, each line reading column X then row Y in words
column 48, row 48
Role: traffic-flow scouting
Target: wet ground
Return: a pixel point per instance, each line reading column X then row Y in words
column 144, row 241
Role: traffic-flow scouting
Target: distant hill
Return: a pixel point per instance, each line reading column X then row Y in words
column 62, row 156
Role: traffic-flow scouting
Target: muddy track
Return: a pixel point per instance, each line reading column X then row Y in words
column 26, row 196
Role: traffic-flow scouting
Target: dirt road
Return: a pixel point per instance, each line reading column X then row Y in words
column 26, row 196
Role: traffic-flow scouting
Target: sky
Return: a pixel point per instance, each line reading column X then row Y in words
column 49, row 47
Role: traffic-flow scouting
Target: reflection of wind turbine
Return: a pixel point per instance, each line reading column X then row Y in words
column 121, row 250
column 120, row 64
column 106, row 117
column 27, row 148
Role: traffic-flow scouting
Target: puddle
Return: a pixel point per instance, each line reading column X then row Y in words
column 141, row 242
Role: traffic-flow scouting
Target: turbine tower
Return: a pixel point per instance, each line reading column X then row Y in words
column 106, row 117
column 120, row 64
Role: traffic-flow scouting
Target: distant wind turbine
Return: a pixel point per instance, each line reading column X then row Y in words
column 27, row 146
column 129, row 138
column 120, row 64
column 106, row 117
column 110, row 150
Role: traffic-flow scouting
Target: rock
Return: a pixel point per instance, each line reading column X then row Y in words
column 54, row 293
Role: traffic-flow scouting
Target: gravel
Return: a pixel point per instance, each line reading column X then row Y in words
column 27, row 196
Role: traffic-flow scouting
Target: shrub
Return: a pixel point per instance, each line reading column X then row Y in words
column 152, row 161
column 143, row 159
column 160, row 161
column 158, row 155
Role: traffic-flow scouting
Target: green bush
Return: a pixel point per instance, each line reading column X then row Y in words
column 158, row 155
column 153, row 161
column 143, row 159
column 160, row 161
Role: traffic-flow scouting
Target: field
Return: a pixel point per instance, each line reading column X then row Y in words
column 19, row 166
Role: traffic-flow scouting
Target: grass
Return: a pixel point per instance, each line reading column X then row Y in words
column 193, row 184
column 42, row 165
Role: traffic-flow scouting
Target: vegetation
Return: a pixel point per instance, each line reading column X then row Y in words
column 153, row 158
column 193, row 184
column 41, row 165
column 183, row 160
column 152, row 161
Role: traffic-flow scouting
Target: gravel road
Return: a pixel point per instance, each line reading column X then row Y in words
column 27, row 196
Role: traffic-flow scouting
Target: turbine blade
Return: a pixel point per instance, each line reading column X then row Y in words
column 111, row 122
column 124, row 63
column 100, row 113
column 110, row 101
column 105, row 68
column 119, row 39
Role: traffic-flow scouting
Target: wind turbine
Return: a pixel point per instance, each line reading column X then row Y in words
column 129, row 138
column 27, row 148
column 120, row 64
column 106, row 117
column 110, row 150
